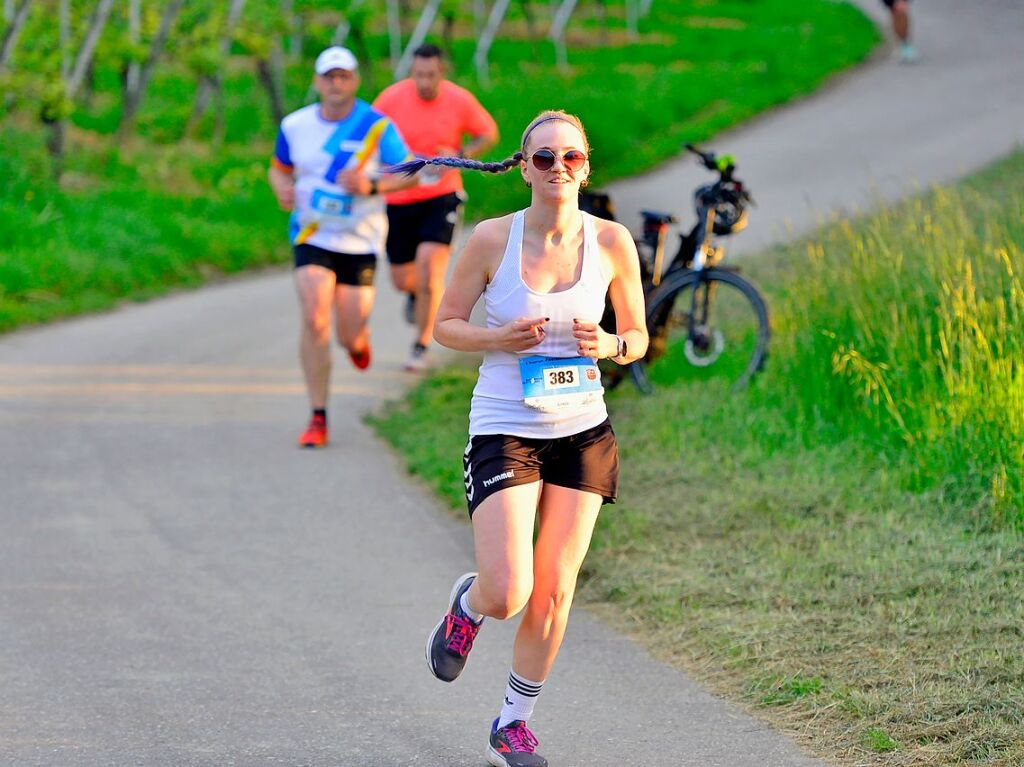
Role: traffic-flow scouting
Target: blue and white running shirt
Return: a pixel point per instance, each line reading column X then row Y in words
column 315, row 150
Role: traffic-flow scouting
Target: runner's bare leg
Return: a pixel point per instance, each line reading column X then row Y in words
column 315, row 286
column 353, row 305
column 431, row 268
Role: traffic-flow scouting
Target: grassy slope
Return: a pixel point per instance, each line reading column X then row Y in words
column 135, row 218
column 785, row 558
column 112, row 234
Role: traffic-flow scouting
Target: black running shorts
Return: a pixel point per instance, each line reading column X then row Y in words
column 349, row 268
column 415, row 222
column 585, row 461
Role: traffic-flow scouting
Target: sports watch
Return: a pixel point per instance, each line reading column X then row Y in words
column 620, row 349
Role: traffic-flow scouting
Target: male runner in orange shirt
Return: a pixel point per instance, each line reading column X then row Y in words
column 434, row 116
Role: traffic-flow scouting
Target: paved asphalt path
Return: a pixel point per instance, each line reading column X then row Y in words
column 179, row 585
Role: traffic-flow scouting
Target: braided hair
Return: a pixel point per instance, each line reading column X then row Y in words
column 414, row 166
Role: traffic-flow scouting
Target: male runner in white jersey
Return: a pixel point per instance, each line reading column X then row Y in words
column 326, row 171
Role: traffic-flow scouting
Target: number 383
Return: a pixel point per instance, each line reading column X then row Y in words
column 561, row 377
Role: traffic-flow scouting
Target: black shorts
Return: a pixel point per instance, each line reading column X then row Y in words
column 415, row 222
column 585, row 461
column 890, row 3
column 349, row 269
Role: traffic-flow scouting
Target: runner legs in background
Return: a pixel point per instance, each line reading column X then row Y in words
column 316, row 286
column 321, row 295
column 431, row 266
column 900, row 12
column 419, row 248
column 403, row 277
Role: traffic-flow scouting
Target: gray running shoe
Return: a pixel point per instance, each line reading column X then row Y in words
column 451, row 640
column 418, row 360
column 513, row 746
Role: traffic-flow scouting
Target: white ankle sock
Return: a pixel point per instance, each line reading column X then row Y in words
column 520, row 697
column 468, row 611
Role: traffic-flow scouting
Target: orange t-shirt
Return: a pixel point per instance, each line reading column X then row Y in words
column 431, row 128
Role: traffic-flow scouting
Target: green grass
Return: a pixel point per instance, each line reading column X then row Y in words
column 787, row 545
column 135, row 218
column 63, row 253
column 907, row 331
column 699, row 68
column 878, row 740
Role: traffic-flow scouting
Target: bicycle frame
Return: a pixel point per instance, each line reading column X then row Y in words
column 699, row 253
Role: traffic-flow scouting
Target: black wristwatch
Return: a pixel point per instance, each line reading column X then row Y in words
column 373, row 186
column 620, row 349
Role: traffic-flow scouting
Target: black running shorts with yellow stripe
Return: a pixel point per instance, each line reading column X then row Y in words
column 587, row 461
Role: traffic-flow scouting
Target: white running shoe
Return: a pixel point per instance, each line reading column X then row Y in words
column 908, row 54
column 418, row 360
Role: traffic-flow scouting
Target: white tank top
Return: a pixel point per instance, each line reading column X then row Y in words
column 497, row 406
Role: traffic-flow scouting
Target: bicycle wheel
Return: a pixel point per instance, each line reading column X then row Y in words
column 711, row 324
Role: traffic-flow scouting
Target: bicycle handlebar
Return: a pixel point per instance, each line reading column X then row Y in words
column 724, row 165
column 708, row 159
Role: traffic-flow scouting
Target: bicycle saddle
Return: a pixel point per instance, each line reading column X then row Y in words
column 657, row 217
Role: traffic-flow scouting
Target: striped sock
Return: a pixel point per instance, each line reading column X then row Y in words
column 520, row 697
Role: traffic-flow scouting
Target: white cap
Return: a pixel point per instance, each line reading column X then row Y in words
column 335, row 57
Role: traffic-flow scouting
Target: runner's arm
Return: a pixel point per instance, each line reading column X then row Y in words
column 392, row 150
column 480, row 126
column 282, row 172
column 478, row 146
column 357, row 182
column 282, row 182
column 625, row 290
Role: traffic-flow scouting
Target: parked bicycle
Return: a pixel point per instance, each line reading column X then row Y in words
column 702, row 316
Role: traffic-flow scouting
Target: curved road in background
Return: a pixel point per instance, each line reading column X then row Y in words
column 874, row 135
column 179, row 585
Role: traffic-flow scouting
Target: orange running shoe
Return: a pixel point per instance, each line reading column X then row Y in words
column 360, row 359
column 315, row 434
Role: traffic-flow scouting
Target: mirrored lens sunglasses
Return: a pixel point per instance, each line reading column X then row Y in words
column 544, row 159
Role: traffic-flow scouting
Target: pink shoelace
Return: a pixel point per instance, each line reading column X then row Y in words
column 520, row 737
column 459, row 634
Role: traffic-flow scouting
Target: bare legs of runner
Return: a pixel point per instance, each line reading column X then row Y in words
column 320, row 297
column 425, row 278
column 900, row 10
column 901, row 20
column 515, row 573
column 431, row 266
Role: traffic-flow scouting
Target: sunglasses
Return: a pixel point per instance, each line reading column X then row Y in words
column 544, row 159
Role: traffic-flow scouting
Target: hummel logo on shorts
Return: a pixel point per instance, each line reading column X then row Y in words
column 498, row 477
